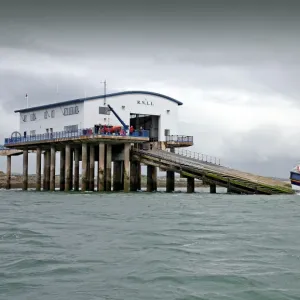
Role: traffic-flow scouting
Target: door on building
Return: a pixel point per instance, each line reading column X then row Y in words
column 147, row 122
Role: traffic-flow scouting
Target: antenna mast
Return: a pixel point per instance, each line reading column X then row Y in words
column 104, row 82
column 105, row 92
column 26, row 97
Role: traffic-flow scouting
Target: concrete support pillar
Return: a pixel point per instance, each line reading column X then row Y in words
column 71, row 168
column 133, row 176
column 126, row 173
column 25, row 170
column 38, row 168
column 190, row 184
column 52, row 168
column 212, row 188
column 108, row 168
column 8, row 173
column 170, row 182
column 62, row 173
column 68, row 168
column 84, row 168
column 48, row 159
column 76, row 169
column 117, row 178
column 151, row 178
column 139, row 175
column 101, row 168
column 92, row 168
column 44, row 171
column 88, row 169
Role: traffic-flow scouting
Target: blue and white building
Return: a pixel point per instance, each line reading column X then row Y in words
column 152, row 111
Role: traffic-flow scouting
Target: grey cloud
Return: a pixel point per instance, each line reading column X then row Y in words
column 249, row 46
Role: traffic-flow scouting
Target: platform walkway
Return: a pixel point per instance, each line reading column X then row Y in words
column 212, row 173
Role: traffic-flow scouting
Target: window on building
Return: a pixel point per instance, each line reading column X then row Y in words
column 104, row 110
column 32, row 117
column 24, row 118
column 32, row 132
column 71, row 128
column 52, row 113
column 46, row 114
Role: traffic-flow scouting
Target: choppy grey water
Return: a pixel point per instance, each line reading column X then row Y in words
column 148, row 246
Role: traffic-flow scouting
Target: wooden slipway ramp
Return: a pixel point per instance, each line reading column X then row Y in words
column 236, row 181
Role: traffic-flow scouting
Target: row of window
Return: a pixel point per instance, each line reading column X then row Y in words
column 32, row 117
column 47, row 115
column 71, row 128
column 67, row 112
column 74, row 110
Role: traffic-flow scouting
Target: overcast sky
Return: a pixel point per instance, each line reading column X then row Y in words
column 234, row 65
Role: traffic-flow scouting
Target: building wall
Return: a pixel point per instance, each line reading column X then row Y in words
column 88, row 114
column 124, row 105
column 56, row 118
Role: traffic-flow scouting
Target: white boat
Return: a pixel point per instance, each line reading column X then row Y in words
column 295, row 178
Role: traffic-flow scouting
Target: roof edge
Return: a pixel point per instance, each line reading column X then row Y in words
column 80, row 100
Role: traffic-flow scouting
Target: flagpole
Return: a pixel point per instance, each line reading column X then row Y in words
column 27, row 100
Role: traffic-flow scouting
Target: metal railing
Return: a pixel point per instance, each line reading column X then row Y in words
column 185, row 161
column 179, row 138
column 76, row 134
column 199, row 156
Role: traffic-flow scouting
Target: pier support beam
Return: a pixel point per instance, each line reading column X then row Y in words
column 38, row 168
column 139, row 175
column 62, row 170
column 76, row 170
column 44, row 171
column 108, row 168
column 8, row 173
column 170, row 182
column 126, row 173
column 71, row 168
column 92, row 168
column 117, row 176
column 190, row 184
column 52, row 169
column 25, row 170
column 212, row 188
column 47, row 170
column 101, row 168
column 84, row 168
column 133, row 176
column 68, row 168
column 88, row 169
column 151, row 178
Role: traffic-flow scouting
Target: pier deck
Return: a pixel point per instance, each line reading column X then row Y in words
column 211, row 173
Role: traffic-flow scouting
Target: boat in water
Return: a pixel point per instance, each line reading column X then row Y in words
column 295, row 178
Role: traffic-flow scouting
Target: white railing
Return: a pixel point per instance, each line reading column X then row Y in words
column 199, row 156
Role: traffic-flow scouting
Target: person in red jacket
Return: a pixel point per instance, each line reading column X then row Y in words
column 131, row 130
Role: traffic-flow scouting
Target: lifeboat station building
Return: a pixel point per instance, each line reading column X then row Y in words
column 100, row 129
column 156, row 113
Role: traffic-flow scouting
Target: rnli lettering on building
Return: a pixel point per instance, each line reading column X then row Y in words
column 152, row 111
column 144, row 102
